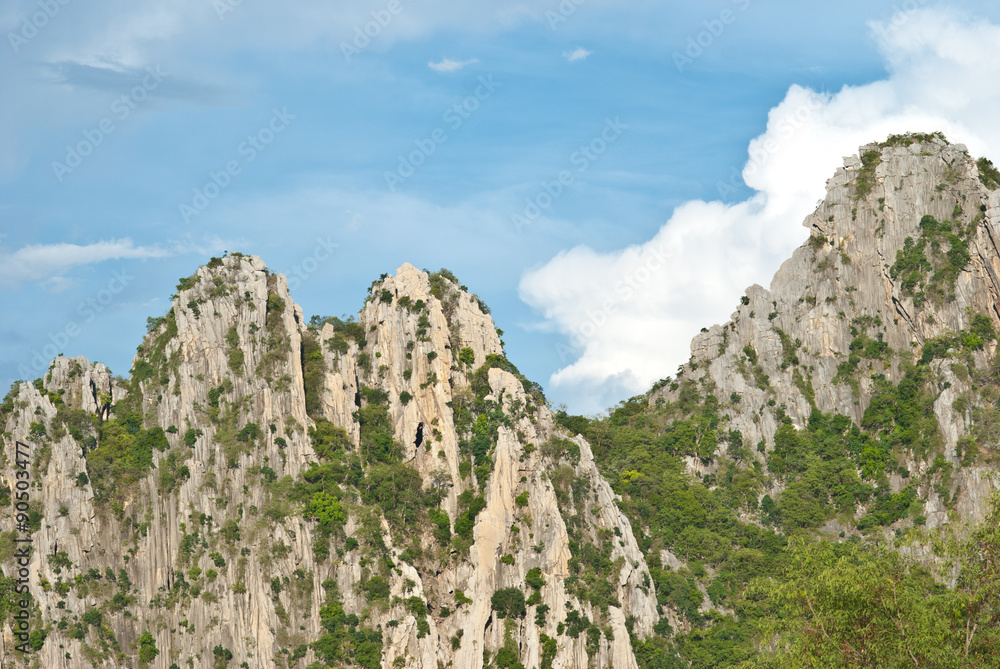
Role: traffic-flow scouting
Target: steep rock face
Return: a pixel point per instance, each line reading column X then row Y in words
column 70, row 525
column 178, row 503
column 394, row 348
column 429, row 343
column 518, row 471
column 143, row 531
column 875, row 267
column 390, row 491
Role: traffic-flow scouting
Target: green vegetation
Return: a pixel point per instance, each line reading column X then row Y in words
column 988, row 174
column 372, row 474
column 442, row 524
column 440, row 281
column 762, row 580
column 172, row 471
column 221, row 656
column 508, row 602
column 467, row 356
column 534, row 578
column 933, row 277
column 979, row 333
column 857, row 605
column 910, row 138
column 328, row 440
column 124, row 453
column 866, row 175
column 147, row 647
column 277, row 343
column 469, row 508
column 344, row 331
column 234, row 354
column 152, row 364
column 191, row 436
column 313, row 373
column 827, row 469
column 863, row 346
column 188, row 282
column 9, row 597
column 344, row 638
column 478, row 419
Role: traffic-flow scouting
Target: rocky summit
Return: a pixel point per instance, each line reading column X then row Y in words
column 388, row 490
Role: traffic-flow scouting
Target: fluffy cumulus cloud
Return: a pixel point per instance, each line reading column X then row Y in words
column 628, row 316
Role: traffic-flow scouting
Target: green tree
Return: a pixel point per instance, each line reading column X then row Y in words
column 850, row 605
column 326, row 510
column 508, row 602
column 328, row 439
column 466, row 356
column 37, row 639
column 147, row 647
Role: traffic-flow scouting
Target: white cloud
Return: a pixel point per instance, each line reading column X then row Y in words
column 449, row 65
column 48, row 263
column 134, row 33
column 579, row 53
column 629, row 315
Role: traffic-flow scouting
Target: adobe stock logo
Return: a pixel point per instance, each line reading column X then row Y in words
column 37, row 21
column 87, row 311
column 625, row 290
column 122, row 108
column 223, row 7
column 363, row 35
column 763, row 149
column 454, row 116
column 562, row 13
column 324, row 250
column 582, row 159
column 703, row 40
column 248, row 149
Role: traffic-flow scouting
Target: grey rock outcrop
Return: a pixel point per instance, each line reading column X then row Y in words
column 842, row 281
column 209, row 558
column 261, row 482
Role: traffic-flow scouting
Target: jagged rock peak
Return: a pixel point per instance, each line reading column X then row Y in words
column 901, row 267
column 917, row 169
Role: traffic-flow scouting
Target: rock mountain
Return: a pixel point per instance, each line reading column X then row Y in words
column 389, row 491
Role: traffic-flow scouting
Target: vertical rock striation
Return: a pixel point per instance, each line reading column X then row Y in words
column 211, row 547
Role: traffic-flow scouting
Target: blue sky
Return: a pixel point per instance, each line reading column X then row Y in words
column 169, row 93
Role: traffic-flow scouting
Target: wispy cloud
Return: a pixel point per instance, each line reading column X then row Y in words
column 48, row 263
column 117, row 78
column 449, row 65
column 579, row 53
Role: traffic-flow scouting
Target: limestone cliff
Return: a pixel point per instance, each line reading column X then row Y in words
column 184, row 502
column 901, row 265
column 389, row 491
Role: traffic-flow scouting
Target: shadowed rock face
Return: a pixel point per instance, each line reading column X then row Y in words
column 186, row 501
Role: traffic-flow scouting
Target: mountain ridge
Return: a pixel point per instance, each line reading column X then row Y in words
column 834, row 280
column 391, row 491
